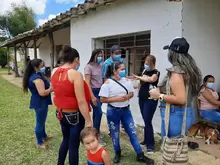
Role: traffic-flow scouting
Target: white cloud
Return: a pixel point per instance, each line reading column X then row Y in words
column 38, row 6
column 42, row 21
column 69, row 1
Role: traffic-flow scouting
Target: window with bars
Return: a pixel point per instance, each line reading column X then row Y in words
column 135, row 47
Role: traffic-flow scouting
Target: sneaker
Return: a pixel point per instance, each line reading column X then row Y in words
column 102, row 142
column 47, row 138
column 143, row 144
column 43, row 146
column 142, row 158
column 150, row 151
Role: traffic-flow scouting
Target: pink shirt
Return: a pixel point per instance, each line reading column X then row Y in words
column 95, row 72
column 205, row 104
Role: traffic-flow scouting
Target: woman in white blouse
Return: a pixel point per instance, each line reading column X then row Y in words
column 117, row 91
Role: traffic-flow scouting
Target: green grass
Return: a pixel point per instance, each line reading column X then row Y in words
column 17, row 139
column 3, row 71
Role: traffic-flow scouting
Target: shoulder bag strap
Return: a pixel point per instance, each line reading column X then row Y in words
column 120, row 85
column 185, row 112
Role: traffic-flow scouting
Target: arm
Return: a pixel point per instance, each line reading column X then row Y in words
column 106, row 158
column 88, row 79
column 41, row 87
column 112, row 99
column 208, row 96
column 77, row 79
column 150, row 79
column 178, row 89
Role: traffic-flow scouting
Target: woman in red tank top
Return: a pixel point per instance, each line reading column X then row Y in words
column 72, row 100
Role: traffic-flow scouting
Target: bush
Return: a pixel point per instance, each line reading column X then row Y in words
column 3, row 57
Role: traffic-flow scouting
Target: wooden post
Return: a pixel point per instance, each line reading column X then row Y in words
column 15, row 62
column 35, row 48
column 8, row 60
column 52, row 48
column 25, row 55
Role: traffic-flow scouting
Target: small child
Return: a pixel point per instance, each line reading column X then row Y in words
column 96, row 154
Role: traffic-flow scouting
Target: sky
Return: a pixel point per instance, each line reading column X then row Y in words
column 44, row 9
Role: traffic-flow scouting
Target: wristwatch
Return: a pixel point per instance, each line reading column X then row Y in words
column 161, row 97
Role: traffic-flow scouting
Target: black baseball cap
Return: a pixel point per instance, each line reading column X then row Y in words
column 115, row 49
column 178, row 45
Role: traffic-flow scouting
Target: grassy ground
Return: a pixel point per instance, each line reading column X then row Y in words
column 17, row 139
column 3, row 70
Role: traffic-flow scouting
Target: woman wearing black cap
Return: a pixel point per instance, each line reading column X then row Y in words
column 184, row 77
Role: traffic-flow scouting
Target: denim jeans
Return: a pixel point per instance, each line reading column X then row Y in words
column 212, row 115
column 97, row 110
column 41, row 116
column 176, row 119
column 114, row 116
column 148, row 108
column 71, row 141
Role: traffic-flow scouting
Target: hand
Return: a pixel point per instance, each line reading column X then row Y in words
column 94, row 101
column 135, row 76
column 51, row 89
column 155, row 93
column 121, row 98
column 89, row 124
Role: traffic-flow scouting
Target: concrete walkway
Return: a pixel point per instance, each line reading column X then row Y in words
column 206, row 155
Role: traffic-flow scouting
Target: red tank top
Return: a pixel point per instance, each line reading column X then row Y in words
column 64, row 93
column 95, row 158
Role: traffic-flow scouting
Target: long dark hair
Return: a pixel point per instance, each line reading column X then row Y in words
column 94, row 53
column 35, row 63
column 69, row 54
column 186, row 63
column 115, row 66
column 206, row 79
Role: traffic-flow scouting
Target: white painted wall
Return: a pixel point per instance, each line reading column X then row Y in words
column 201, row 26
column 163, row 18
column 61, row 37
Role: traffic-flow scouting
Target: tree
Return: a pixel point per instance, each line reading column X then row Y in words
column 3, row 57
column 20, row 19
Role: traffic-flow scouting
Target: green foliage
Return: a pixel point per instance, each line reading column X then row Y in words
column 19, row 20
column 3, row 57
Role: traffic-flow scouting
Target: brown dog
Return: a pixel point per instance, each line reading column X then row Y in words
column 201, row 130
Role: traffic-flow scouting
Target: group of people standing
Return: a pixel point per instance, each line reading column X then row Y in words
column 107, row 82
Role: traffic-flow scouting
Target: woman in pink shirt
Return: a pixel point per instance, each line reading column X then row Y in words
column 209, row 100
column 94, row 79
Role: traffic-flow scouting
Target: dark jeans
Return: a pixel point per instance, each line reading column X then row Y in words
column 97, row 110
column 148, row 108
column 71, row 139
column 41, row 116
column 114, row 116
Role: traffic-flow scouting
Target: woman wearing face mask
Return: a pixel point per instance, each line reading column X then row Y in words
column 150, row 77
column 93, row 77
column 209, row 100
column 117, row 91
column 40, row 97
column 72, row 100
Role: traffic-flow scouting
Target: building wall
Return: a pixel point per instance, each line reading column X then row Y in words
column 61, row 37
column 161, row 17
column 201, row 28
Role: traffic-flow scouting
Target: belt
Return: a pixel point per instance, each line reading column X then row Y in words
column 67, row 110
column 175, row 106
column 118, row 107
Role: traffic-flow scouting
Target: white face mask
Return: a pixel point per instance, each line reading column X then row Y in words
column 210, row 85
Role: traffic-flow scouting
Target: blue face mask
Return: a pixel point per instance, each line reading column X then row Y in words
column 99, row 60
column 77, row 67
column 122, row 74
column 117, row 57
column 42, row 70
column 210, row 85
column 147, row 67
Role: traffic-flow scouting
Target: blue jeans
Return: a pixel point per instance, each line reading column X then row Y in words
column 97, row 110
column 148, row 108
column 176, row 119
column 71, row 140
column 212, row 115
column 41, row 116
column 114, row 116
